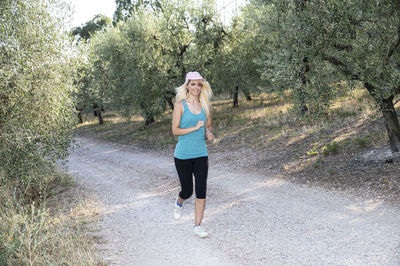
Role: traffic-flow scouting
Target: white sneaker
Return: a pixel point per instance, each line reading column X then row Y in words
column 177, row 210
column 199, row 231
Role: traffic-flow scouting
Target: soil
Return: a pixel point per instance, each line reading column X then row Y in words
column 259, row 209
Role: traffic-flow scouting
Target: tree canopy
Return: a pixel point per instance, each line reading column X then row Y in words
column 303, row 47
column 36, row 107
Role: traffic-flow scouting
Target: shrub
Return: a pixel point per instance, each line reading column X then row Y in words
column 36, row 108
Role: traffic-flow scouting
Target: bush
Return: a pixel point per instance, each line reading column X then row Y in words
column 36, row 120
column 36, row 108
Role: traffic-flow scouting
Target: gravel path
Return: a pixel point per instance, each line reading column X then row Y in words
column 252, row 219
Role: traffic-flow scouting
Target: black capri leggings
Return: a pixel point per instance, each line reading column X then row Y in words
column 186, row 169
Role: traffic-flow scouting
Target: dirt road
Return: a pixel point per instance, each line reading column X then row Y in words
column 252, row 219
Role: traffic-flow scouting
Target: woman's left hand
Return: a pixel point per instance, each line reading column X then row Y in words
column 210, row 136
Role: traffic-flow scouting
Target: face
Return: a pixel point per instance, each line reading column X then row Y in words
column 195, row 86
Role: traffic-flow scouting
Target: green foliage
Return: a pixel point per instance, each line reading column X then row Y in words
column 125, row 56
column 362, row 141
column 126, row 8
column 331, row 171
column 236, row 47
column 313, row 151
column 137, row 64
column 36, row 108
column 343, row 114
column 99, row 22
column 313, row 44
column 331, row 148
column 287, row 59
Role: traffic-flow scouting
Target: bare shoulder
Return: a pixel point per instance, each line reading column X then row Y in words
column 178, row 106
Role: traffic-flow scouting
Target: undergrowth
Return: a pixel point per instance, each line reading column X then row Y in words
column 268, row 118
column 31, row 233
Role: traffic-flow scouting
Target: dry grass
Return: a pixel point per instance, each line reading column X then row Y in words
column 265, row 120
column 54, row 232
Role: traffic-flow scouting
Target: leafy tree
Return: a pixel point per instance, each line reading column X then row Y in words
column 88, row 97
column 145, row 57
column 190, row 36
column 235, row 66
column 125, row 66
column 321, row 42
column 36, row 108
column 126, row 8
column 286, row 60
column 84, row 32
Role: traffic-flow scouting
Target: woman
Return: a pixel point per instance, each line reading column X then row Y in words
column 192, row 112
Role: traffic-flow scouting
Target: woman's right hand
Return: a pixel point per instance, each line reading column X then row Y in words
column 199, row 124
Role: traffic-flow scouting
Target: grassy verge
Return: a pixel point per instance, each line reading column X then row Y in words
column 54, row 231
column 265, row 135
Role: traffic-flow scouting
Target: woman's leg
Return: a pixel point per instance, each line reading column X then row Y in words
column 199, row 212
column 185, row 173
column 180, row 200
column 184, row 169
column 200, row 169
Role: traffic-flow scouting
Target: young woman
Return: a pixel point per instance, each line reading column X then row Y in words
column 191, row 121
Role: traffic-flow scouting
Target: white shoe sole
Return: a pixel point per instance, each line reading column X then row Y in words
column 201, row 236
column 177, row 214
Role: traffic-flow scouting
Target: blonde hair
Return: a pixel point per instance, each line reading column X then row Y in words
column 204, row 97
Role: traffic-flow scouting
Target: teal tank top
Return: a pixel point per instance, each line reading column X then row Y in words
column 193, row 144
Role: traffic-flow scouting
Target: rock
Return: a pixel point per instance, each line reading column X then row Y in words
column 378, row 155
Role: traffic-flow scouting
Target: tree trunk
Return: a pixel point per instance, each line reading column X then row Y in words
column 235, row 97
column 247, row 94
column 100, row 117
column 95, row 107
column 391, row 123
column 80, row 117
column 304, row 81
column 97, row 112
column 169, row 95
column 149, row 120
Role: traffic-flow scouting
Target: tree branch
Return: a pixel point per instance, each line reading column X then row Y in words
column 353, row 76
column 342, row 66
column 343, row 47
column 393, row 46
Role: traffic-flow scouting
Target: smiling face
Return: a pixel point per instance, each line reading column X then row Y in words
column 195, row 86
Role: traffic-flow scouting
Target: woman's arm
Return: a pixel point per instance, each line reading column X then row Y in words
column 176, row 120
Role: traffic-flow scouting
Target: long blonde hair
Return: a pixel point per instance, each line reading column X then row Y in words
column 204, row 97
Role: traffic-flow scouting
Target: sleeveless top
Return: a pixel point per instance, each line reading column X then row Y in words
column 193, row 144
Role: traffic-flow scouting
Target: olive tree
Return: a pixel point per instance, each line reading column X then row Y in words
column 142, row 59
column 36, row 107
column 235, row 68
column 126, row 66
column 87, row 96
column 320, row 42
